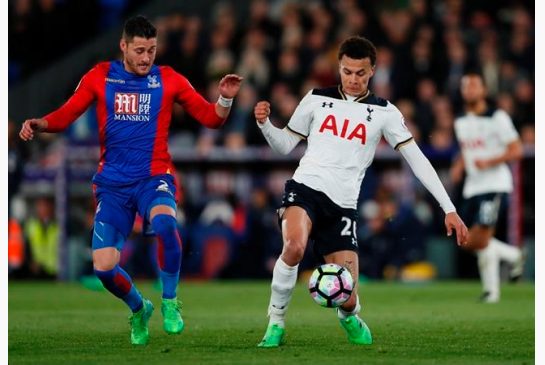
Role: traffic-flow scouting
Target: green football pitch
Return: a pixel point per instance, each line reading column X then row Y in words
column 437, row 323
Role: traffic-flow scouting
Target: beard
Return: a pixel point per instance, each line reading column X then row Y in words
column 136, row 68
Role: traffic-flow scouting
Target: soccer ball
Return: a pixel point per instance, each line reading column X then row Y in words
column 330, row 285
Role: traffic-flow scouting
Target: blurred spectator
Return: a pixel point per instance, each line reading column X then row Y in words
column 390, row 236
column 17, row 154
column 284, row 49
column 426, row 92
column 490, row 65
column 528, row 134
column 212, row 241
column 16, row 246
column 382, row 82
column 42, row 235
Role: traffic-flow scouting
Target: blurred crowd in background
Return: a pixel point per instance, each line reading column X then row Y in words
column 282, row 49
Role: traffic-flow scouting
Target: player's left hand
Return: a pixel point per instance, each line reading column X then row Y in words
column 454, row 222
column 483, row 164
column 230, row 85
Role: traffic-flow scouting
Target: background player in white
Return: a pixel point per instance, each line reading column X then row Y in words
column 343, row 125
column 488, row 140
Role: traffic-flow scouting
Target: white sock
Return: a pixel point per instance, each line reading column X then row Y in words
column 505, row 251
column 489, row 268
column 283, row 282
column 342, row 314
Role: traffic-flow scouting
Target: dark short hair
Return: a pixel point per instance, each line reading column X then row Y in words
column 138, row 26
column 357, row 47
column 474, row 72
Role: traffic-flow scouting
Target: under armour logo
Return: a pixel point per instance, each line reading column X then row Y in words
column 291, row 197
column 369, row 110
column 324, row 104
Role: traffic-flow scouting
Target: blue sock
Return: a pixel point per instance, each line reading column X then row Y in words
column 169, row 253
column 119, row 283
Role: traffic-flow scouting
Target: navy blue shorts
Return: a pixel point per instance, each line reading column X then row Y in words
column 118, row 205
column 333, row 227
column 484, row 209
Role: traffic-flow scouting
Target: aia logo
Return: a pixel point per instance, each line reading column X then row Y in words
column 126, row 103
column 329, row 125
column 473, row 143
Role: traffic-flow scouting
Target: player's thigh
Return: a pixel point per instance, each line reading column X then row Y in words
column 481, row 215
column 335, row 231
column 157, row 196
column 296, row 226
column 114, row 218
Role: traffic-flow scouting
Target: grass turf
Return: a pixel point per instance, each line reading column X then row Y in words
column 438, row 323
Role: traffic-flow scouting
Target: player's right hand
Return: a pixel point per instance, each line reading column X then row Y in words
column 30, row 127
column 262, row 110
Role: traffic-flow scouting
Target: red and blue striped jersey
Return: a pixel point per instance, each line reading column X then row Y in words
column 134, row 114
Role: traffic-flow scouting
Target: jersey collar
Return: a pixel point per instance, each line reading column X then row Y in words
column 357, row 99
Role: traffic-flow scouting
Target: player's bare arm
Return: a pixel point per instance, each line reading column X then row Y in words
column 457, row 169
column 229, row 87
column 31, row 127
column 513, row 152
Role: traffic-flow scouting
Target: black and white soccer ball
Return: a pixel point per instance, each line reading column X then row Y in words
column 330, row 285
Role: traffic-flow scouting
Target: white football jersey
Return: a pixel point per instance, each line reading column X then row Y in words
column 484, row 137
column 342, row 136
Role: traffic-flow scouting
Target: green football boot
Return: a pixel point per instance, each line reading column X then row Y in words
column 274, row 336
column 356, row 330
column 173, row 323
column 139, row 324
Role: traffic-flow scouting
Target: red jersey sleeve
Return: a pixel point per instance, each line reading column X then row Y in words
column 193, row 102
column 83, row 97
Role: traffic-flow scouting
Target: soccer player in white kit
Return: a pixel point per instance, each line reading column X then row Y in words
column 488, row 141
column 342, row 125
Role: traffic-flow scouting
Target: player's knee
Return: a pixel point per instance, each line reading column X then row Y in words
column 105, row 259
column 294, row 249
column 164, row 225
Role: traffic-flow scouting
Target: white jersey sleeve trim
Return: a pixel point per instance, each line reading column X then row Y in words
column 427, row 175
column 281, row 140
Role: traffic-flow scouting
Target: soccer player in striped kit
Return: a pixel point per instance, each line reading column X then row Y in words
column 343, row 125
column 488, row 141
column 135, row 174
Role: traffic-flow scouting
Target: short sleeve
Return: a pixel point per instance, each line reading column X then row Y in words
column 302, row 117
column 507, row 130
column 395, row 131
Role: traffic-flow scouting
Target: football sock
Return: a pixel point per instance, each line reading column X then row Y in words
column 342, row 314
column 283, row 282
column 169, row 253
column 505, row 251
column 489, row 269
column 119, row 283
